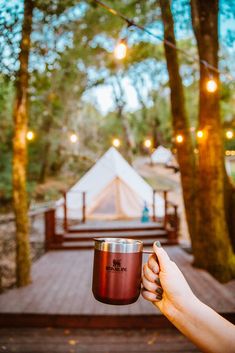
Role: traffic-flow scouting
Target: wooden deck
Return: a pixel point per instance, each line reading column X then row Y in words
column 60, row 296
column 79, row 236
column 51, row 340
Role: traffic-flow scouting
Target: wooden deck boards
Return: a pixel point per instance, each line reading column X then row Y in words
column 62, row 286
column 49, row 340
column 102, row 226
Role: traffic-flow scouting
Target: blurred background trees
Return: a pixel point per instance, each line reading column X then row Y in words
column 77, row 87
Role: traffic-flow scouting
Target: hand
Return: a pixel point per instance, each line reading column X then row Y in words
column 164, row 284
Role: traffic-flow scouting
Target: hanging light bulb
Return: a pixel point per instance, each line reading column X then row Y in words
column 116, row 142
column 120, row 50
column 147, row 143
column 200, row 134
column 229, row 134
column 73, row 138
column 30, row 135
column 179, row 138
column 211, row 85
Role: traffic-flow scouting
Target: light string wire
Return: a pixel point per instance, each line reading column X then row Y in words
column 130, row 22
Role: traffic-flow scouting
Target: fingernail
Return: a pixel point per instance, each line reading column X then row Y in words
column 158, row 296
column 159, row 290
column 158, row 243
column 157, row 280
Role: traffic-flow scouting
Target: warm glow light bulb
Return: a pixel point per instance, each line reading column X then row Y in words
column 211, row 86
column 116, row 142
column 200, row 134
column 120, row 51
column 179, row 138
column 147, row 143
column 229, row 134
column 73, row 138
column 30, row 135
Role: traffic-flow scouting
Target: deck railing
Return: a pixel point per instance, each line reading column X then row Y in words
column 65, row 220
column 170, row 220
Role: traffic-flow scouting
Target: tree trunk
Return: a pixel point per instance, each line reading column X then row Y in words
column 45, row 162
column 212, row 250
column 120, row 103
column 20, row 117
column 129, row 143
column 45, row 128
column 230, row 208
column 185, row 151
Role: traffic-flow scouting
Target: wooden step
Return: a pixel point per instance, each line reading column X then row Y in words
column 90, row 244
column 150, row 234
column 112, row 227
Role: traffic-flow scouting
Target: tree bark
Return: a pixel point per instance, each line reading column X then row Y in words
column 120, row 103
column 212, row 250
column 20, row 117
column 185, row 151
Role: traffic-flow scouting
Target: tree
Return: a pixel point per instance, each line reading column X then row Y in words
column 212, row 249
column 20, row 117
column 118, row 93
column 180, row 120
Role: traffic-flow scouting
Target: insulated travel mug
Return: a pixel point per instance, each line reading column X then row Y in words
column 117, row 270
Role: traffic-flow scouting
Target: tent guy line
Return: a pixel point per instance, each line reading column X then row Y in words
column 130, row 23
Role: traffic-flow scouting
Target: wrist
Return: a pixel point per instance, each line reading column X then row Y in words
column 185, row 308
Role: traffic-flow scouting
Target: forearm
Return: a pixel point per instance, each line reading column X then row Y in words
column 204, row 327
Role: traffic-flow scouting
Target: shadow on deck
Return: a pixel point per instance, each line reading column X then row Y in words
column 60, row 296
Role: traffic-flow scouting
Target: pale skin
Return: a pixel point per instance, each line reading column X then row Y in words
column 165, row 286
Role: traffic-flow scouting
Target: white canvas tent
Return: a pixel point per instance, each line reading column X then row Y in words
column 162, row 155
column 114, row 190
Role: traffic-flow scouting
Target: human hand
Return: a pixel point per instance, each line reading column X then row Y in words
column 164, row 284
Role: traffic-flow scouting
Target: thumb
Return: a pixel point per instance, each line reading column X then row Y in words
column 162, row 257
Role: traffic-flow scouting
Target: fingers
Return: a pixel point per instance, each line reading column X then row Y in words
column 152, row 264
column 150, row 296
column 152, row 290
column 148, row 273
column 152, row 287
column 163, row 258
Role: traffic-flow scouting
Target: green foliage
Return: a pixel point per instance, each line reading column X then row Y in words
column 6, row 96
column 71, row 57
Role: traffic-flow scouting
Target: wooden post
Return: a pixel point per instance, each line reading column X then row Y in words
column 154, row 210
column 65, row 212
column 83, row 207
column 165, row 207
column 176, row 219
column 173, row 232
column 49, row 218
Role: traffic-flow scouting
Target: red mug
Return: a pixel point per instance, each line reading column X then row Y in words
column 117, row 270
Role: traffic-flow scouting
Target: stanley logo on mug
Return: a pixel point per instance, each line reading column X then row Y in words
column 116, row 266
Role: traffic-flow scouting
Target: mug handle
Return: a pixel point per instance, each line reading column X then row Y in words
column 148, row 252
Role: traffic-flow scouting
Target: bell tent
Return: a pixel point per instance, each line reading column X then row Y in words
column 114, row 190
column 162, row 155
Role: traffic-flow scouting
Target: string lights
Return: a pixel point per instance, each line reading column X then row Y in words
column 147, row 143
column 229, row 134
column 230, row 153
column 130, row 22
column 179, row 138
column 30, row 135
column 211, row 85
column 120, row 50
column 200, row 134
column 73, row 138
column 116, row 142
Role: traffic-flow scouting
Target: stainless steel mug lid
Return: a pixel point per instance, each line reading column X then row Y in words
column 118, row 245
